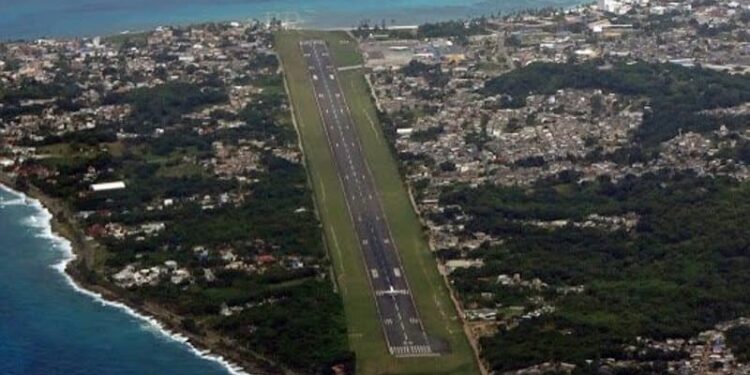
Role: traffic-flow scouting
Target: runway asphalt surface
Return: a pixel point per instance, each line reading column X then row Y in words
column 399, row 318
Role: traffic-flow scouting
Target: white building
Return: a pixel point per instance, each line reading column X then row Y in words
column 618, row 6
column 106, row 186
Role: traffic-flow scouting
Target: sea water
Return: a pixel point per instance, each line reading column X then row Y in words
column 48, row 326
column 27, row 19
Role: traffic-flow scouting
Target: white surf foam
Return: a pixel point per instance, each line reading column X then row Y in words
column 41, row 220
column 12, row 202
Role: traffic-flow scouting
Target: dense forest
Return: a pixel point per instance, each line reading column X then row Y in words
column 738, row 339
column 680, row 270
column 164, row 104
column 14, row 100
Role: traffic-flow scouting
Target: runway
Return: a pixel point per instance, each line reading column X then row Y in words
column 400, row 321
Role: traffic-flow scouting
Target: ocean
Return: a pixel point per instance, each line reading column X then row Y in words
column 48, row 326
column 30, row 19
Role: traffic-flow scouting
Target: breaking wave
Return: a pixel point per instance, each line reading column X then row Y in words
column 42, row 220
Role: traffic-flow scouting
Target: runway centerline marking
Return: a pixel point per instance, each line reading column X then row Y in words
column 389, row 286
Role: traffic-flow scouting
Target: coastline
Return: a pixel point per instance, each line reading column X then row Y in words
column 61, row 230
column 319, row 15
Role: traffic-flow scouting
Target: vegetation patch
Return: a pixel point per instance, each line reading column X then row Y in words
column 677, row 272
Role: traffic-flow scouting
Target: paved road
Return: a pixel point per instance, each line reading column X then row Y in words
column 402, row 326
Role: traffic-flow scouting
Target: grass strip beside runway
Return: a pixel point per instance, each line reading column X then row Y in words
column 431, row 295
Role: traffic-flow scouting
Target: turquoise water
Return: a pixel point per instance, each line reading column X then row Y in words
column 26, row 19
column 47, row 328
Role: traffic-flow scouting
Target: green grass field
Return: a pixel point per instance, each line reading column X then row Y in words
column 431, row 295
